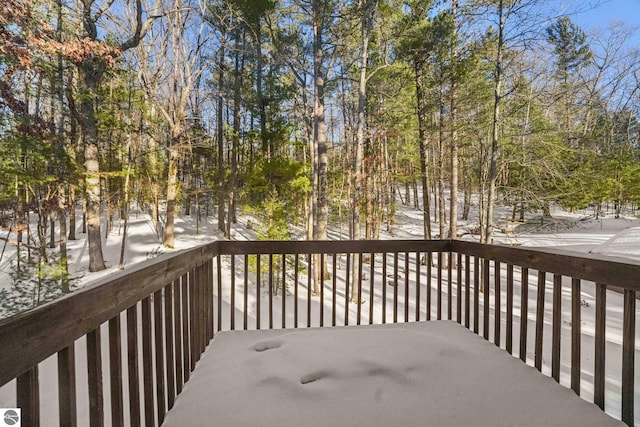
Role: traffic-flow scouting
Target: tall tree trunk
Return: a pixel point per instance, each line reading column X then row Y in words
column 441, row 160
column 495, row 129
column 61, row 161
column 453, row 208
column 172, row 192
column 89, row 73
column 125, row 208
column 424, row 147
column 235, row 142
column 262, row 111
column 220, row 140
column 319, row 134
column 365, row 33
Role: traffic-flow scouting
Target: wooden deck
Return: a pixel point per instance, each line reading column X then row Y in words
column 156, row 320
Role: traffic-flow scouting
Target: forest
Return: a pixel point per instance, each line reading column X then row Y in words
column 306, row 112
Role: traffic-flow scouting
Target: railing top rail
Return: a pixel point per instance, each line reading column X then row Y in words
column 331, row 246
column 612, row 271
column 28, row 338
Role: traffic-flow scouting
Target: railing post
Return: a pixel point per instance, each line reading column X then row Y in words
column 628, row 353
column 28, row 397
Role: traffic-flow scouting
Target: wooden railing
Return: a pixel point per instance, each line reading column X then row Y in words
column 159, row 318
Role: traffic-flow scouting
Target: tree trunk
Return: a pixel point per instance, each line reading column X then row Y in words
column 319, row 135
column 89, row 86
column 365, row 33
column 220, row 140
column 235, row 143
column 441, row 160
column 453, row 209
column 495, row 129
column 172, row 190
column 424, row 147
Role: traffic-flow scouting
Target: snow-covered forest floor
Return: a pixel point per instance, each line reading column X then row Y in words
column 578, row 231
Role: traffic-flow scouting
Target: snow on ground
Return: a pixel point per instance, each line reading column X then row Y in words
column 572, row 231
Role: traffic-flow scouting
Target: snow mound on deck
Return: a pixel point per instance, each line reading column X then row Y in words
column 436, row 374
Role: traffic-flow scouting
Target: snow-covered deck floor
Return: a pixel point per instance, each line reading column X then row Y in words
column 433, row 373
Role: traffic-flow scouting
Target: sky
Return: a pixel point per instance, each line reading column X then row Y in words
column 609, row 11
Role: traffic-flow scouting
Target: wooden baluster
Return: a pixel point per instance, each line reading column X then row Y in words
column 467, row 290
column 524, row 312
column 371, row 288
column 271, row 291
column 418, row 265
column 115, row 372
column 258, row 292
column 193, row 349
column 359, row 302
column 628, row 354
column 245, row 318
column 186, row 340
column 168, row 343
column 309, row 276
column 476, row 295
column 540, row 319
column 334, row 289
column 205, row 304
column 94, row 370
column 600, row 341
column 556, row 327
column 346, row 290
column 232, row 311
column 485, row 298
column 449, row 287
column 283, row 291
column 429, row 260
column 67, row 386
column 177, row 335
column 406, row 286
column 296, row 271
column 395, row 287
column 132, row 366
column 384, row 287
column 509, row 344
column 576, row 319
column 147, row 364
column 322, row 260
column 159, row 352
column 439, row 293
column 497, row 298
column 459, row 288
column 219, row 283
